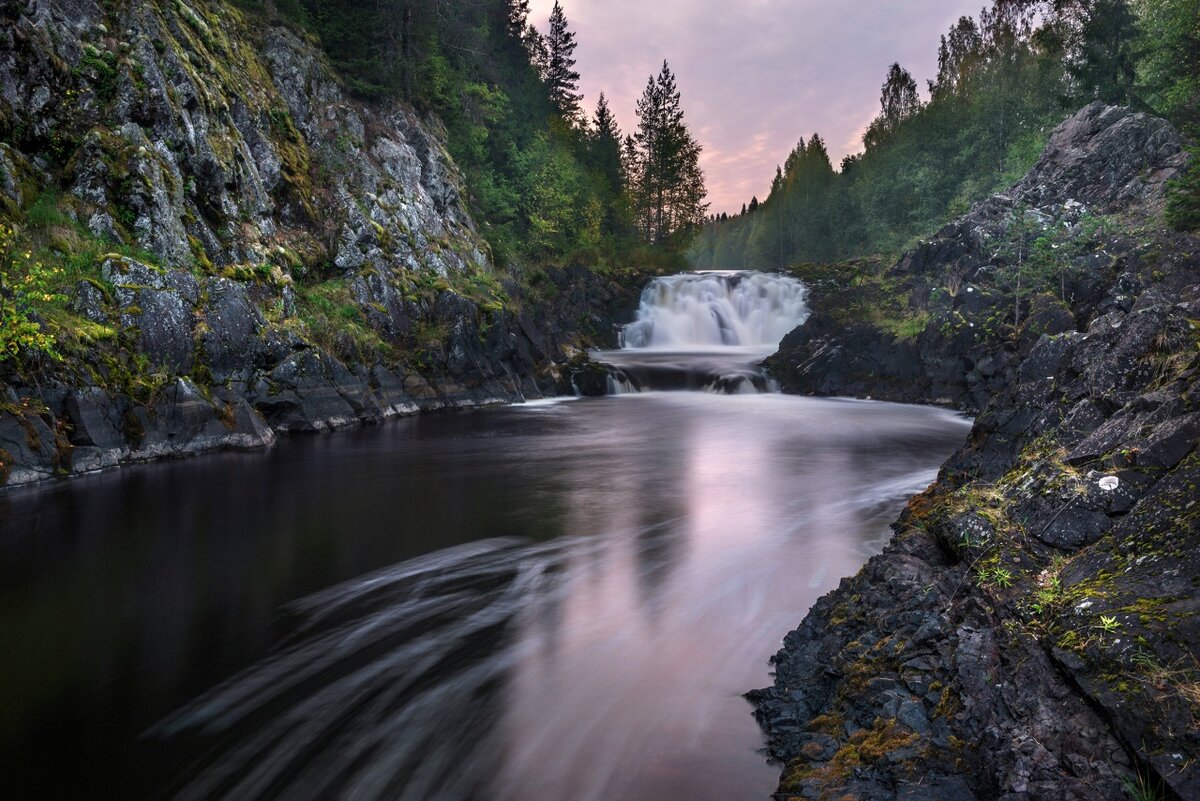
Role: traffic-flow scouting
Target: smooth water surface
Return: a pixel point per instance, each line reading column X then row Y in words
column 562, row 600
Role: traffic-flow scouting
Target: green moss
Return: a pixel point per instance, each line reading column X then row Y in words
column 864, row 747
column 903, row 328
column 830, row 724
column 296, row 163
column 328, row 314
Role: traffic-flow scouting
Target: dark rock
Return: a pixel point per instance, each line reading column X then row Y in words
column 27, row 449
column 88, row 300
column 1106, row 157
column 230, row 340
column 95, row 419
column 1170, row 442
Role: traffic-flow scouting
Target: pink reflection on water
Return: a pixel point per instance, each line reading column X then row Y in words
column 630, row 686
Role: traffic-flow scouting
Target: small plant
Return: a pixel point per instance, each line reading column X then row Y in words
column 25, row 285
column 1048, row 597
column 1144, row 787
column 954, row 280
column 1109, row 624
column 996, row 576
column 969, row 539
column 907, row 327
column 1183, row 198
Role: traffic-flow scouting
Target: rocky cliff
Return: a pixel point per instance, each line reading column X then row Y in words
column 252, row 249
column 1032, row 630
column 951, row 320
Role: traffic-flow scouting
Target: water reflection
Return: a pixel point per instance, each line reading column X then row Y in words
column 578, row 595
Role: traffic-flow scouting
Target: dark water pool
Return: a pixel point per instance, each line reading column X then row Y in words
column 531, row 603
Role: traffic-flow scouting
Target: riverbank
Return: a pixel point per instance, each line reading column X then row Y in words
column 1031, row 632
column 248, row 381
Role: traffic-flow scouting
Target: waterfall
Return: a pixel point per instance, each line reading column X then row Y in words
column 716, row 309
column 705, row 331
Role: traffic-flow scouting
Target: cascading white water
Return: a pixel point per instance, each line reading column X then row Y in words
column 717, row 309
column 705, row 331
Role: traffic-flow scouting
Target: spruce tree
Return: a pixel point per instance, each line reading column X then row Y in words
column 605, row 143
column 604, row 152
column 518, row 18
column 520, row 31
column 1104, row 62
column 561, row 78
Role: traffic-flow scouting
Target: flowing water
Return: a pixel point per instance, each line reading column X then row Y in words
column 556, row 600
column 705, row 331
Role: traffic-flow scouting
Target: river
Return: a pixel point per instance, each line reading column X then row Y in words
column 530, row 603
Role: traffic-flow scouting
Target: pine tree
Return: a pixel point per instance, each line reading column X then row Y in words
column 1170, row 67
column 518, row 18
column 668, row 193
column 561, row 78
column 520, row 31
column 631, row 167
column 605, row 143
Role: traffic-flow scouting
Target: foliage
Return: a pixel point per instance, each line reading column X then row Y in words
column 563, row 211
column 26, row 285
column 1103, row 61
column 328, row 314
column 1183, row 199
column 1168, row 80
column 1169, row 68
column 898, row 101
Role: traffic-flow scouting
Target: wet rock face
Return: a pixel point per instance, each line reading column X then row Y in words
column 232, row 326
column 188, row 131
column 160, row 307
column 1033, row 629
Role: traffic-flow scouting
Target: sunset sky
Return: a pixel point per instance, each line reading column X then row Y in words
column 756, row 74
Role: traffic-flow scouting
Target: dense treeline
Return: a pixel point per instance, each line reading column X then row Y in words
column 547, row 182
column 1004, row 80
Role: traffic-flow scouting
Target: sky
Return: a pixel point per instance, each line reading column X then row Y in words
column 756, row 75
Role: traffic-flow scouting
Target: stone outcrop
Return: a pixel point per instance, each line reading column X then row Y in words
column 1032, row 630
column 969, row 304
